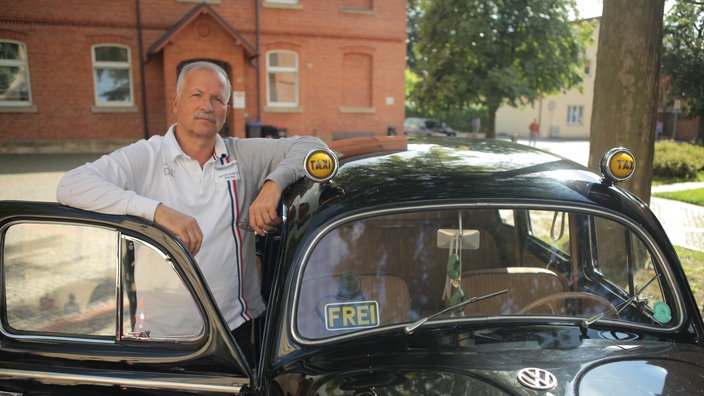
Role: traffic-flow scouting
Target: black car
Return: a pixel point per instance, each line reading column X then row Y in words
column 415, row 126
column 423, row 266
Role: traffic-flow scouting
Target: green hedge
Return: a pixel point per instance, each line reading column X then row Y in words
column 677, row 160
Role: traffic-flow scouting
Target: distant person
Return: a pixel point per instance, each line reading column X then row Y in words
column 71, row 306
column 476, row 125
column 534, row 130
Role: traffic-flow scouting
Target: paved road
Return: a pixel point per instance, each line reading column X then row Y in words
column 35, row 177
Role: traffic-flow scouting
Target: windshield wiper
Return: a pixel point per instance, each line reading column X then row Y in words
column 413, row 326
column 617, row 308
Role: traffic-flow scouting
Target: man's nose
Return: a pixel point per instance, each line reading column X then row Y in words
column 206, row 103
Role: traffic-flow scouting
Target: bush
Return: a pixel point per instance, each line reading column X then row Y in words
column 677, row 160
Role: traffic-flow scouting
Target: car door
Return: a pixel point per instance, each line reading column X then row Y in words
column 100, row 304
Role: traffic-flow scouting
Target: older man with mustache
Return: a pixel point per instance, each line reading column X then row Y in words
column 202, row 188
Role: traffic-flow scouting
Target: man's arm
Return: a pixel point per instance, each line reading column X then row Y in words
column 109, row 184
column 185, row 227
column 262, row 212
column 284, row 166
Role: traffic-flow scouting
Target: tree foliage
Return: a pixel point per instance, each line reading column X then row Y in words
column 491, row 52
column 414, row 12
column 683, row 57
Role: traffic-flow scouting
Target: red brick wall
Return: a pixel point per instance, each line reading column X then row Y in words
column 59, row 39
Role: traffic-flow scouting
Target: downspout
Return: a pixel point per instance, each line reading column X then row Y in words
column 259, row 61
column 141, row 72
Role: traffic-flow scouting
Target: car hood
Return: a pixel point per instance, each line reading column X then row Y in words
column 626, row 377
column 614, row 364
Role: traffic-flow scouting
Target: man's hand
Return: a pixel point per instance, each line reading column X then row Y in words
column 262, row 213
column 184, row 226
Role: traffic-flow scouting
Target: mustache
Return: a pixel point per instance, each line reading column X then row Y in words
column 201, row 115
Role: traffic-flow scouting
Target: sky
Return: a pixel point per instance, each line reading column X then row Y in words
column 592, row 8
column 589, row 8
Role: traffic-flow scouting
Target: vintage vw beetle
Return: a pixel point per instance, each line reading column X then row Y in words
column 430, row 266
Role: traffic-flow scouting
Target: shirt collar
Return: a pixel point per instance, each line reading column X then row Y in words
column 174, row 150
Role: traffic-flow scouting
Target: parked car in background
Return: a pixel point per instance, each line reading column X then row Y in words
column 445, row 266
column 415, row 126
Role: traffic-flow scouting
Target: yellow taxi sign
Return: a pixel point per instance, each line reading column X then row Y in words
column 321, row 165
column 618, row 164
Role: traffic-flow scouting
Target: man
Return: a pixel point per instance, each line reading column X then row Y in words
column 534, row 130
column 205, row 189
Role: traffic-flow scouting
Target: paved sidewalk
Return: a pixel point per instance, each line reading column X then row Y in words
column 683, row 222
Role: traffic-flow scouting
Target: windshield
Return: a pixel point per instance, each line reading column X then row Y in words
column 400, row 268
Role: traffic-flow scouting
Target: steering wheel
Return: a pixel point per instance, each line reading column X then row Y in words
column 550, row 304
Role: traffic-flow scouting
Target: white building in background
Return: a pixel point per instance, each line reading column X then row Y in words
column 567, row 115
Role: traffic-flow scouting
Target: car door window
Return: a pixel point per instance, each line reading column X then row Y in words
column 624, row 260
column 87, row 281
column 60, row 278
column 552, row 228
column 156, row 303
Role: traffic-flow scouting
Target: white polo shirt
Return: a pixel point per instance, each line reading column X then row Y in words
column 135, row 179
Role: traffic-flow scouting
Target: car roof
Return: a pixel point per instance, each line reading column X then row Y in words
column 450, row 169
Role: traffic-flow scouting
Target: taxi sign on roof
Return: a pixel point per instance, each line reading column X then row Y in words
column 321, row 165
column 618, row 164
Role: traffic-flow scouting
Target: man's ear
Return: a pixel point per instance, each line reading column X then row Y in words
column 174, row 104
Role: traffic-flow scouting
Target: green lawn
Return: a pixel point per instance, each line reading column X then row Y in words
column 695, row 196
column 692, row 263
column 692, row 260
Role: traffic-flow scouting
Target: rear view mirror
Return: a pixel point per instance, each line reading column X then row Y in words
column 448, row 238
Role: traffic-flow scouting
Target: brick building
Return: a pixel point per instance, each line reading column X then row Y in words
column 76, row 75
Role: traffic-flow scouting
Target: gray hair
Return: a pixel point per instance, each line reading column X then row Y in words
column 204, row 65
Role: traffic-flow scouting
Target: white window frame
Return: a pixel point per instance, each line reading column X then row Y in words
column 575, row 115
column 112, row 65
column 282, row 69
column 22, row 62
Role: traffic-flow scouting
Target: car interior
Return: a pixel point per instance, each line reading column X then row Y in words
column 404, row 266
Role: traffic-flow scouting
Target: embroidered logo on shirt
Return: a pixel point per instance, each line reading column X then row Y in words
column 168, row 171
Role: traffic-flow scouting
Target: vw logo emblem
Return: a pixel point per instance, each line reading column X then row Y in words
column 538, row 379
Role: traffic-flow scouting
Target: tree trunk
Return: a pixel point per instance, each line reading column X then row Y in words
column 491, row 121
column 626, row 86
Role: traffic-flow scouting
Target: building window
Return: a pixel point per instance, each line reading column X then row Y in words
column 588, row 68
column 284, row 4
column 282, row 79
column 14, row 74
column 357, row 5
column 574, row 115
column 112, row 75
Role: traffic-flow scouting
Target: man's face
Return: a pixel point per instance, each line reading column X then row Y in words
column 201, row 107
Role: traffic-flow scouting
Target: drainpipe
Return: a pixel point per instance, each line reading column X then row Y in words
column 259, row 62
column 141, row 72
